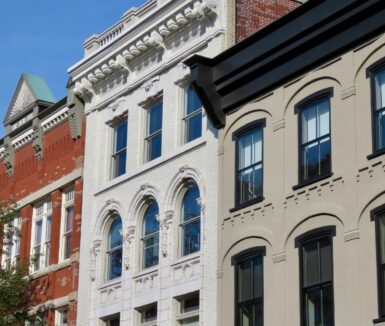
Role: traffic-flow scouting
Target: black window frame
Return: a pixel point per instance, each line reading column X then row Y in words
column 235, row 260
column 371, row 73
column 328, row 94
column 306, row 238
column 374, row 215
column 237, row 134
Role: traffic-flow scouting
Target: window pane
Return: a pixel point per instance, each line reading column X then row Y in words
column 381, row 223
column 258, row 277
column 150, row 314
column 324, row 159
column 155, row 118
column 250, row 183
column 323, row 112
column 115, row 263
column 121, row 136
column 250, row 148
column 326, row 263
column 151, row 251
column 310, row 160
column 380, row 89
column 191, row 237
column 190, row 206
column 150, row 223
column 68, row 246
column 327, row 306
column 193, row 102
column 120, row 163
column 251, row 314
column 194, row 127
column 48, row 229
column 38, row 230
column 154, row 147
column 69, row 218
column 313, row 307
column 190, row 304
column 309, row 124
column 114, row 322
column 245, row 279
column 257, row 145
column 193, row 321
column 310, row 264
column 115, row 238
column 380, row 129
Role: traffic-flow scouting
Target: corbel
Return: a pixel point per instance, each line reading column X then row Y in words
column 37, row 138
column 75, row 114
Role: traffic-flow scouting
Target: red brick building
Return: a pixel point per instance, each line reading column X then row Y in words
column 253, row 15
column 41, row 169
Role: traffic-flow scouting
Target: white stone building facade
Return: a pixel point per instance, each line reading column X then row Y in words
column 133, row 66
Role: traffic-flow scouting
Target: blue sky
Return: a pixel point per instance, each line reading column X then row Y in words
column 45, row 38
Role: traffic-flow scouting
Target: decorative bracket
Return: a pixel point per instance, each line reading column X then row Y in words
column 165, row 223
column 94, row 251
column 128, row 238
column 37, row 139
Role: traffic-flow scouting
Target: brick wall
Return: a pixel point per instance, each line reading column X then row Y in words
column 253, row 15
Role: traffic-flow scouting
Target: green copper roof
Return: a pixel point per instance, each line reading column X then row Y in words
column 39, row 88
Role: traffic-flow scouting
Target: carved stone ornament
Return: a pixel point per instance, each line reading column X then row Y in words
column 165, row 221
column 152, row 91
column 37, row 139
column 117, row 105
column 94, row 251
column 183, row 73
column 128, row 238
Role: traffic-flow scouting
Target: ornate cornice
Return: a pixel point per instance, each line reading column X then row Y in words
column 153, row 38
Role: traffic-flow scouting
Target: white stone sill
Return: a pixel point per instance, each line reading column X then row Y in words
column 148, row 166
column 184, row 259
column 146, row 271
column 108, row 284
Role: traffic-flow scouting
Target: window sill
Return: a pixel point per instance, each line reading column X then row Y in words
column 379, row 320
column 146, row 271
column 110, row 283
column 186, row 258
column 246, row 204
column 376, row 154
column 311, row 181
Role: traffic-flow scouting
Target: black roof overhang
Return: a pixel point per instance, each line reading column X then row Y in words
column 310, row 35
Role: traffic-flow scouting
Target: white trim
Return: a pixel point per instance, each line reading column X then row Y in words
column 54, row 119
column 68, row 199
column 23, row 139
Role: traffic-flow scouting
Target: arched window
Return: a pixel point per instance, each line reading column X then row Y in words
column 150, row 236
column 190, row 221
column 114, row 249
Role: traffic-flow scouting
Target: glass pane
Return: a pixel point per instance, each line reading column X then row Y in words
column 326, row 264
column 250, row 148
column 380, row 89
column 47, row 252
column 155, row 118
column 246, row 315
column 309, row 124
column 324, row 158
column 193, row 102
column 68, row 246
column 193, row 321
column 258, row 277
column 69, row 218
column 38, row 230
column 190, row 206
column 121, row 136
column 310, row 161
column 114, row 322
column 327, row 306
column 194, row 127
column 250, row 183
column 149, row 314
column 380, row 129
column 154, row 147
column 120, row 163
column 151, row 251
column 114, row 237
column 381, row 224
column 313, row 307
column 245, row 279
column 48, row 228
column 115, row 263
column 257, row 145
column 323, row 112
column 190, row 304
column 191, row 237
column 310, row 264
column 150, row 223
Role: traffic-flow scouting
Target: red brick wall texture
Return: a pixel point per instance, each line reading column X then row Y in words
column 253, row 15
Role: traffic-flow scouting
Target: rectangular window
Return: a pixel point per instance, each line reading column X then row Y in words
column 154, row 132
column 119, row 154
column 112, row 321
column 316, row 261
column 249, row 162
column 41, row 239
column 380, row 237
column 379, row 110
column 12, row 245
column 315, row 143
column 188, row 312
column 249, row 287
column 61, row 316
column 67, row 222
column 148, row 315
column 192, row 115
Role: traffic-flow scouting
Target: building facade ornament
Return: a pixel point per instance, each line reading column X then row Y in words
column 165, row 221
column 128, row 238
column 37, row 139
column 94, row 251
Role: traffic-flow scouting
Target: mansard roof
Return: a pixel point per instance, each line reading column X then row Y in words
column 30, row 90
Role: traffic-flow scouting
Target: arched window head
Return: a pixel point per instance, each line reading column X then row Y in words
column 114, row 249
column 150, row 236
column 190, row 221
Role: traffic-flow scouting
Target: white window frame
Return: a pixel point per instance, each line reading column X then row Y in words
column 182, row 315
column 148, row 137
column 41, row 211
column 59, row 314
column 8, row 260
column 114, row 153
column 186, row 117
column 68, row 200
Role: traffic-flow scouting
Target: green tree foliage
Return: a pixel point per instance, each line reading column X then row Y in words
column 15, row 286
